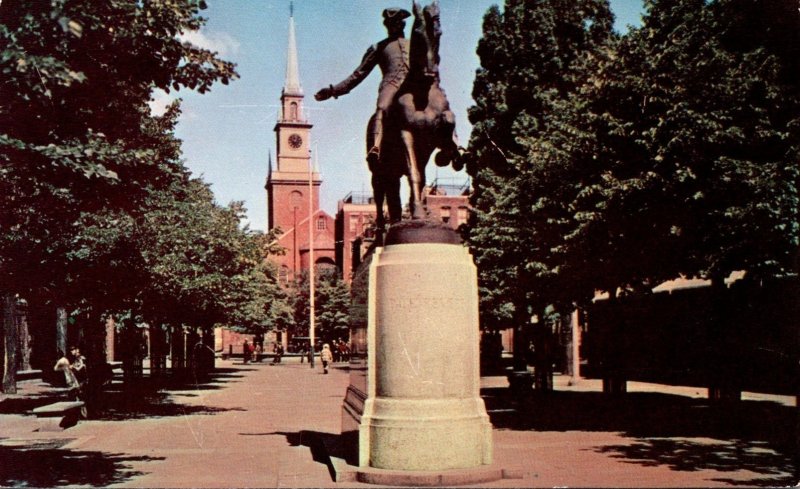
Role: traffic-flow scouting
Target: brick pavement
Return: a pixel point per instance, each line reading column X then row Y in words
column 253, row 426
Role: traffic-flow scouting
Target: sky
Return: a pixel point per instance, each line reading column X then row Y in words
column 228, row 133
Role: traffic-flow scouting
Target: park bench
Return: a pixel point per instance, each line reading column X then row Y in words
column 59, row 415
column 32, row 374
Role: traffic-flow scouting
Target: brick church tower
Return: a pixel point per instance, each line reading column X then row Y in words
column 293, row 187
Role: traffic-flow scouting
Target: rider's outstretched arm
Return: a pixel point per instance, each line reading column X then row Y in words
column 368, row 62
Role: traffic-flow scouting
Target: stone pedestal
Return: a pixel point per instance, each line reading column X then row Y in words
column 423, row 410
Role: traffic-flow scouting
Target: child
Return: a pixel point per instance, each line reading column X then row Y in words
column 326, row 356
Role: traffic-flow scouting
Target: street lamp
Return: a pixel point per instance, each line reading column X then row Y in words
column 311, row 325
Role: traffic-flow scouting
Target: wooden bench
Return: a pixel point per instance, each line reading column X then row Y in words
column 28, row 375
column 59, row 415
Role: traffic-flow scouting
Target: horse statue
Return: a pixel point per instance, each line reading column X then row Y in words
column 418, row 123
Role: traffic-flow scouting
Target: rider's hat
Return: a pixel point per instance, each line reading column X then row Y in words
column 390, row 14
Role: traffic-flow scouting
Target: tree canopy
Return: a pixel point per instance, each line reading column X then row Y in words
column 98, row 211
column 606, row 161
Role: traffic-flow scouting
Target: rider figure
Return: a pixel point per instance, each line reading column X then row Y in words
column 391, row 54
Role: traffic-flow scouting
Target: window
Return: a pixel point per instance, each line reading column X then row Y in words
column 296, row 199
column 463, row 214
column 445, row 213
column 321, row 225
column 293, row 111
column 283, row 275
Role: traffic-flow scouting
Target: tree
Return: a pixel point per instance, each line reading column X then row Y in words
column 535, row 56
column 671, row 151
column 78, row 146
column 331, row 303
column 696, row 125
column 77, row 79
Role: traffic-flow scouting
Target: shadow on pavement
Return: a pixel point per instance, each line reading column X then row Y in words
column 45, row 464
column 682, row 433
column 126, row 405
column 319, row 443
column 24, row 405
column 152, row 397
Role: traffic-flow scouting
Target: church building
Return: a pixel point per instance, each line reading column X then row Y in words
column 293, row 186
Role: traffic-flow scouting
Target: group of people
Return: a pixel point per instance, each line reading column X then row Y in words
column 339, row 352
column 255, row 351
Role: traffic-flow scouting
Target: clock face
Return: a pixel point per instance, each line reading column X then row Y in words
column 295, row 141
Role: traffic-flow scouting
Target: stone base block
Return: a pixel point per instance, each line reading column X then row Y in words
column 426, row 434
column 448, row 478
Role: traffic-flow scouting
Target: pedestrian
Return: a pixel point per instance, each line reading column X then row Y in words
column 302, row 352
column 246, row 352
column 79, row 370
column 73, row 386
column 78, row 367
column 259, row 352
column 326, row 356
column 280, row 352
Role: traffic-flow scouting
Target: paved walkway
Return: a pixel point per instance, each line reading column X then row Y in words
column 252, row 426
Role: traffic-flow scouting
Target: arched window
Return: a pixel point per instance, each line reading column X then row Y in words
column 283, row 274
column 293, row 111
column 325, row 264
column 295, row 199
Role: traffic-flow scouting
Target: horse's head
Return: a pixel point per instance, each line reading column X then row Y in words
column 425, row 35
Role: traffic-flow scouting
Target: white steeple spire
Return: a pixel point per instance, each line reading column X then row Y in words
column 292, row 84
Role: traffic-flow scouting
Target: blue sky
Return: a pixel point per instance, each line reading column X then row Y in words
column 228, row 133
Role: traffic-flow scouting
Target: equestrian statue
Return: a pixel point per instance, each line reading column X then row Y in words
column 412, row 118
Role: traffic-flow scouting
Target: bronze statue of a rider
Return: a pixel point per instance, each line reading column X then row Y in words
column 391, row 54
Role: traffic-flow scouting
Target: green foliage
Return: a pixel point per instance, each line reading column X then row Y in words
column 603, row 163
column 76, row 134
column 331, row 306
column 696, row 124
column 535, row 56
column 97, row 209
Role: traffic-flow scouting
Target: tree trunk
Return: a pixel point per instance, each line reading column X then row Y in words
column 193, row 347
column 614, row 381
column 110, row 336
column 157, row 346
column 61, row 331
column 724, row 358
column 520, row 380
column 10, row 344
column 178, row 345
column 208, row 349
column 25, row 339
column 543, row 368
column 573, row 348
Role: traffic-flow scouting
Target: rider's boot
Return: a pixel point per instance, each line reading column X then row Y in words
column 376, row 130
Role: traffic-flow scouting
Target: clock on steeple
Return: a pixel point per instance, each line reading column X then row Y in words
column 295, row 141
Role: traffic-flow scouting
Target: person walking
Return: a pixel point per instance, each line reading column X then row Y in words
column 245, row 352
column 326, row 356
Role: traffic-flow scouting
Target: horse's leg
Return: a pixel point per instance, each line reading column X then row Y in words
column 379, row 193
column 415, row 180
column 393, row 200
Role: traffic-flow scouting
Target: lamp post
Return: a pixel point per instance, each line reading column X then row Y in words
column 311, row 284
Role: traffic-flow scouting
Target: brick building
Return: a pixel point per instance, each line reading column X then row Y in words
column 445, row 200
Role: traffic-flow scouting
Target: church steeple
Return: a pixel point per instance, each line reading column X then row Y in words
column 292, row 84
column 287, row 182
